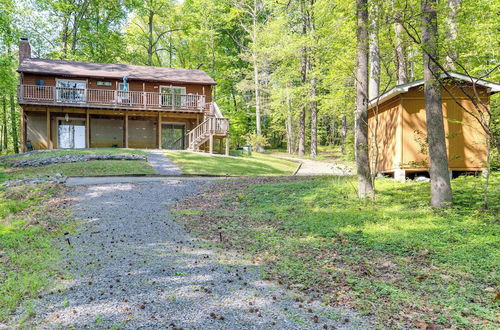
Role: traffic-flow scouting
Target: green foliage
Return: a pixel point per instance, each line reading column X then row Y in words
column 90, row 168
column 394, row 257
column 219, row 37
column 256, row 141
column 28, row 254
column 241, row 165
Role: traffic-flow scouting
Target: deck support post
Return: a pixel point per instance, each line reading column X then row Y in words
column 87, row 128
column 23, row 131
column 227, row 144
column 49, row 133
column 158, row 132
column 125, row 130
column 211, row 144
column 400, row 175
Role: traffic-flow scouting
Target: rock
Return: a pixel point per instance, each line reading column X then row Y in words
column 422, row 179
column 72, row 159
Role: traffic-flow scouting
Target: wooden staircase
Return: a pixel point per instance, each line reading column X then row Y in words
column 214, row 126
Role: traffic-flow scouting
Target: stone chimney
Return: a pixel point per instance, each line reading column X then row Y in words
column 24, row 50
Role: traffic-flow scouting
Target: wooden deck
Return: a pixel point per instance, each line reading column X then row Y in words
column 113, row 99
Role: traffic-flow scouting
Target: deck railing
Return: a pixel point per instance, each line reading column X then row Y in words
column 211, row 126
column 104, row 97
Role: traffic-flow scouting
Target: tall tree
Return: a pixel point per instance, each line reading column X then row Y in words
column 374, row 82
column 314, row 83
column 365, row 186
column 400, row 48
column 254, row 10
column 14, row 123
column 441, row 195
column 303, row 80
column 451, row 22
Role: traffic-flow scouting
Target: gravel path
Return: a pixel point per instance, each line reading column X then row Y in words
column 131, row 266
column 161, row 163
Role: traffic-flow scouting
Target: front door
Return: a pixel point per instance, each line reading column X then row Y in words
column 172, row 136
column 71, row 134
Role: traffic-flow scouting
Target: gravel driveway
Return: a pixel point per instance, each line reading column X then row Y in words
column 131, row 266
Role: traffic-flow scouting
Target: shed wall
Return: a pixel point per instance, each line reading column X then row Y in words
column 402, row 132
column 387, row 132
column 465, row 139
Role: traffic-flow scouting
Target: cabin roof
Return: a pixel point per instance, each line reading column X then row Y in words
column 400, row 89
column 114, row 71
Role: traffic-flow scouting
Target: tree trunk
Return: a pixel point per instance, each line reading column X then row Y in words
column 441, row 195
column 314, row 120
column 374, row 83
column 453, row 6
column 401, row 65
column 344, row 134
column 314, row 102
column 13, row 120
column 304, row 67
column 4, row 119
column 333, row 132
column 365, row 187
column 289, row 124
column 302, row 132
column 150, row 37
column 256, row 82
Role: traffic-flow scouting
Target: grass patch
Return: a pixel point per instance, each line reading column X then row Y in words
column 28, row 224
column 90, row 168
column 327, row 154
column 74, row 152
column 241, row 165
column 395, row 258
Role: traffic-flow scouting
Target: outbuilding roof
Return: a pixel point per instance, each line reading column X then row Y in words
column 399, row 89
column 114, row 71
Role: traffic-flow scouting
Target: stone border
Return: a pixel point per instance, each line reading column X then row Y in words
column 73, row 159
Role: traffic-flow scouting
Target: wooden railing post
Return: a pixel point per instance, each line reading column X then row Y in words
column 145, row 100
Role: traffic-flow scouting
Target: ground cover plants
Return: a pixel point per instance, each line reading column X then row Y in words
column 395, row 258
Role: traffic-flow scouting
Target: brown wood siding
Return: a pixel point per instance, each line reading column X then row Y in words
column 135, row 85
column 36, row 130
column 465, row 138
column 402, row 132
column 387, row 131
column 106, row 126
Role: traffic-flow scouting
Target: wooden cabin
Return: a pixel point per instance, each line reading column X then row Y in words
column 68, row 104
column 397, row 122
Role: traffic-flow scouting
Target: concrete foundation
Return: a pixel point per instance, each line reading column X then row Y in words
column 400, row 175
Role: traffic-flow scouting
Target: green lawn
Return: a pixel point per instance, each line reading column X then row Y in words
column 241, row 165
column 96, row 167
column 395, row 258
column 325, row 154
column 28, row 225
column 90, row 168
column 30, row 218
